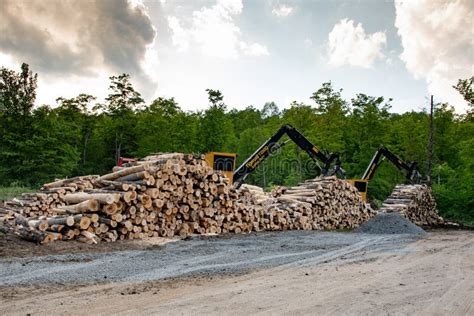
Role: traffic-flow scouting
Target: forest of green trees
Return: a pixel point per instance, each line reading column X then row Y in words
column 80, row 136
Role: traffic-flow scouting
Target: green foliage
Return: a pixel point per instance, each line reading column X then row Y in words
column 35, row 146
column 121, row 106
column 76, row 112
column 79, row 137
column 164, row 127
column 123, row 97
column 51, row 152
column 464, row 87
column 215, row 131
column 454, row 183
column 331, row 121
column 215, row 98
column 13, row 191
column 17, row 91
column 455, row 200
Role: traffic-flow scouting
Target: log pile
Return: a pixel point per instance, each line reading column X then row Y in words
column 415, row 203
column 175, row 195
column 167, row 195
column 51, row 197
column 321, row 203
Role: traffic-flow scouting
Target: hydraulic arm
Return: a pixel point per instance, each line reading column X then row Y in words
column 411, row 169
column 271, row 145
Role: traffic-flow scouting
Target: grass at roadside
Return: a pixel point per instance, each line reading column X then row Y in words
column 7, row 193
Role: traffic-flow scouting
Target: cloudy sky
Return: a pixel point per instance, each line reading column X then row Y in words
column 254, row 51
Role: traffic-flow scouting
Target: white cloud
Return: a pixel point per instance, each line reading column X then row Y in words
column 231, row 6
column 438, row 44
column 7, row 61
column 50, row 89
column 180, row 36
column 350, row 45
column 150, row 63
column 213, row 31
column 254, row 49
column 282, row 10
column 72, row 43
column 308, row 42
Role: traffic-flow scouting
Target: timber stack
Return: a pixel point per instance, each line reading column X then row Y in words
column 175, row 195
column 321, row 203
column 414, row 202
column 163, row 195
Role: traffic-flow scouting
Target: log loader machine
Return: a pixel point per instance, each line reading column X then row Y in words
column 225, row 162
column 412, row 174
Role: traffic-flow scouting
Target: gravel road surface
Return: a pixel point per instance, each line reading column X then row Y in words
column 284, row 273
column 200, row 256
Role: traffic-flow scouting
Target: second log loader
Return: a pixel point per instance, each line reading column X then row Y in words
column 412, row 174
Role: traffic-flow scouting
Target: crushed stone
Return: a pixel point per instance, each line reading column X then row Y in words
column 390, row 223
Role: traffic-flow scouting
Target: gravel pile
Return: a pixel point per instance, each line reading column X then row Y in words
column 390, row 223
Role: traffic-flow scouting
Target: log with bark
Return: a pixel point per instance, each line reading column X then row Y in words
column 415, row 202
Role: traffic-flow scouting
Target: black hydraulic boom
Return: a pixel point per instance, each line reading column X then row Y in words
column 271, row 145
column 412, row 173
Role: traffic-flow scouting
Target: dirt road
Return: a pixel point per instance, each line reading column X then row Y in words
column 325, row 273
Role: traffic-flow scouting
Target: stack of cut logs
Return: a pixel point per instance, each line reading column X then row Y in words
column 414, row 202
column 175, row 194
column 322, row 203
